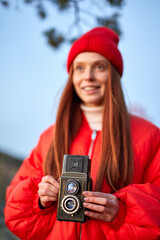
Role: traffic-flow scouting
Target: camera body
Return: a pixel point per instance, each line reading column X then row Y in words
column 73, row 181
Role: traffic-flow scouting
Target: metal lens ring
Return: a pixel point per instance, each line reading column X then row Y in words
column 72, row 187
column 70, row 204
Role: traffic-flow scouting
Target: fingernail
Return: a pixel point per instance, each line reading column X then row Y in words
column 85, row 199
column 87, row 213
column 85, row 193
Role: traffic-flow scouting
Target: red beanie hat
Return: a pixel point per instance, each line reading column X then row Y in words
column 101, row 40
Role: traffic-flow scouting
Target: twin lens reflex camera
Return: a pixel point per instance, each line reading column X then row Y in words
column 74, row 180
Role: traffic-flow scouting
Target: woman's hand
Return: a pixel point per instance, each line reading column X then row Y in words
column 48, row 191
column 103, row 206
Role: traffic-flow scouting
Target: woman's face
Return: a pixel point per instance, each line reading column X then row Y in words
column 90, row 75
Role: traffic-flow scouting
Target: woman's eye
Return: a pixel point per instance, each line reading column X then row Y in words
column 100, row 67
column 78, row 68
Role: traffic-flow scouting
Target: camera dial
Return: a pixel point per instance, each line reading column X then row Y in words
column 70, row 204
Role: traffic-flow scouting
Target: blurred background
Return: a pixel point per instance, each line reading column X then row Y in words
column 35, row 37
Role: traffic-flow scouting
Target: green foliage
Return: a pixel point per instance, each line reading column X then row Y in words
column 111, row 22
column 116, row 3
column 28, row 1
column 54, row 38
column 41, row 11
column 4, row 3
column 62, row 4
column 93, row 14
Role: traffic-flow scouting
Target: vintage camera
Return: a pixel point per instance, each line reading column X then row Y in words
column 73, row 181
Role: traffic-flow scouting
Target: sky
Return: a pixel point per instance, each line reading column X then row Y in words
column 32, row 75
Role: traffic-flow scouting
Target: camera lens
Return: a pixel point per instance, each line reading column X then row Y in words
column 72, row 187
column 70, row 204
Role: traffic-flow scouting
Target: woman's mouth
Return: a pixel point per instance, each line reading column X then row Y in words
column 90, row 89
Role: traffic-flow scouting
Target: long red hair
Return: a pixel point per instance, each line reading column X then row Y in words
column 116, row 162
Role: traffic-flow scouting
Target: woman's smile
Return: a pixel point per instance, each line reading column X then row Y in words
column 90, row 89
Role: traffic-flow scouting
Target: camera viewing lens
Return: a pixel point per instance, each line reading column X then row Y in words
column 70, row 204
column 72, row 187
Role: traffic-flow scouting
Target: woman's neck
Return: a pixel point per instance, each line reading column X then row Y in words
column 93, row 116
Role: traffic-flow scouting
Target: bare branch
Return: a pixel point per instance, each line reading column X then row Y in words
column 88, row 13
column 84, row 12
column 77, row 17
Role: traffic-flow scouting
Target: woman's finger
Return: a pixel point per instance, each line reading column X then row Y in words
column 107, row 200
column 45, row 199
column 51, row 180
column 44, row 192
column 47, row 187
column 96, row 215
column 98, row 194
column 95, row 207
column 97, row 200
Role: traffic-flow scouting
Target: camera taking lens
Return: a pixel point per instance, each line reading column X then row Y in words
column 71, row 204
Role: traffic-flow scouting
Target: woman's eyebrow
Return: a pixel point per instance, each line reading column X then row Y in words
column 101, row 61
column 94, row 62
column 79, row 62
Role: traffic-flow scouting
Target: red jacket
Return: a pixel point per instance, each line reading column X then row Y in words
column 139, row 213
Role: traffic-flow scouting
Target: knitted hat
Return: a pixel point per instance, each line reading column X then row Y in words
column 101, row 40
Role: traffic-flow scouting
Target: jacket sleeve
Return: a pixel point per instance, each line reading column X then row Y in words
column 22, row 213
column 139, row 213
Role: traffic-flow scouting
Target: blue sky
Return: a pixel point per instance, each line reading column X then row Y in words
column 32, row 75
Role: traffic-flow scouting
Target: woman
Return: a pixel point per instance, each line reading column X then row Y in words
column 92, row 119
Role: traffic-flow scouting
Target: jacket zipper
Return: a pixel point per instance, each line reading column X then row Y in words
column 93, row 137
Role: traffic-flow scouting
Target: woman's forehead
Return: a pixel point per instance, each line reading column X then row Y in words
column 89, row 56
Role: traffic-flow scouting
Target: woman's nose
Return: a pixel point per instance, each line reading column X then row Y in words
column 88, row 75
